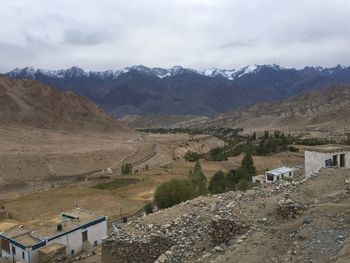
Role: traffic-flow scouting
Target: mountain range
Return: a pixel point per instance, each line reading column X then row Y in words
column 324, row 110
column 139, row 90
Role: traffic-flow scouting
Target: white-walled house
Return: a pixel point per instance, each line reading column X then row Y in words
column 326, row 156
column 274, row 175
column 77, row 229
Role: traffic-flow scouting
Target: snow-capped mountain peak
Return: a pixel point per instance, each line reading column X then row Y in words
column 161, row 73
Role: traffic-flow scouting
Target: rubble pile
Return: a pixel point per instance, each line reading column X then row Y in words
column 135, row 249
column 201, row 227
column 287, row 208
column 225, row 229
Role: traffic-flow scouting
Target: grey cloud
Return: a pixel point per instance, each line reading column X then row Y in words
column 78, row 37
column 192, row 33
column 234, row 44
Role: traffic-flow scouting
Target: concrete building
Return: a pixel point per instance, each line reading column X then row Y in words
column 274, row 175
column 76, row 231
column 335, row 156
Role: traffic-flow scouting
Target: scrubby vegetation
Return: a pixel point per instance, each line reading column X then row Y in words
column 173, row 192
column 126, row 169
column 116, row 183
column 149, row 207
column 193, row 156
column 219, row 132
column 177, row 191
column 313, row 141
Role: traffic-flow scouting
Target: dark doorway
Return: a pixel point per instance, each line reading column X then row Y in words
column 335, row 160
column 84, row 236
column 342, row 160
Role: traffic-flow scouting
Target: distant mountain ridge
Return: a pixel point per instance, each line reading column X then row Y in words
column 230, row 74
column 321, row 110
column 183, row 91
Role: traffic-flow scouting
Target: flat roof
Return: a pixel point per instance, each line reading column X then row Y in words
column 69, row 221
column 281, row 170
column 7, row 224
column 260, row 176
column 329, row 148
column 52, row 247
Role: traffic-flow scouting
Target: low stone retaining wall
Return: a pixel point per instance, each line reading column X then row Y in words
column 224, row 229
column 134, row 249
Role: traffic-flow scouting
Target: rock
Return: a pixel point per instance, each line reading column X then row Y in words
column 162, row 259
column 219, row 249
column 239, row 241
column 307, row 221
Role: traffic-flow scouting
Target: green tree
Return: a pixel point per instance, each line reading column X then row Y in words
column 192, row 156
column 248, row 164
column 173, row 192
column 243, row 185
column 218, row 183
column 198, row 179
column 232, row 178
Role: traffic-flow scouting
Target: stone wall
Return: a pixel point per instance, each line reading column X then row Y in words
column 287, row 208
column 225, row 229
column 134, row 249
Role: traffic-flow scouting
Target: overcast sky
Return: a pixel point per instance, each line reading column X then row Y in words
column 112, row 34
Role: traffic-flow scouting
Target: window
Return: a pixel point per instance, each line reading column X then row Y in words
column 72, row 252
column 13, row 250
column 23, row 255
column 84, row 236
column 95, row 243
column 270, row 177
column 5, row 244
column 290, row 174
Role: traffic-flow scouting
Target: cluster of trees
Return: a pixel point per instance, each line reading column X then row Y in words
column 313, row 141
column 180, row 190
column 126, row 169
column 231, row 148
column 234, row 180
column 272, row 144
column 219, row 132
column 192, row 156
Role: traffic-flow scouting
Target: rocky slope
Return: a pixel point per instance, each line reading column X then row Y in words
column 180, row 91
column 322, row 110
column 30, row 103
column 295, row 222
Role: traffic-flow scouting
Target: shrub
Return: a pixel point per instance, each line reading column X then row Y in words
column 192, row 156
column 293, row 149
column 149, row 208
column 173, row 192
column 243, row 185
column 217, row 183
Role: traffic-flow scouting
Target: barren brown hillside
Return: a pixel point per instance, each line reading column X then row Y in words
column 30, row 103
column 324, row 110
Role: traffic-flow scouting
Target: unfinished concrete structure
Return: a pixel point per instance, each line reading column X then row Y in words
column 326, row 156
column 77, row 229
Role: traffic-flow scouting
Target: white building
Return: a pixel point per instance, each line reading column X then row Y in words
column 77, row 230
column 326, row 156
column 274, row 175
